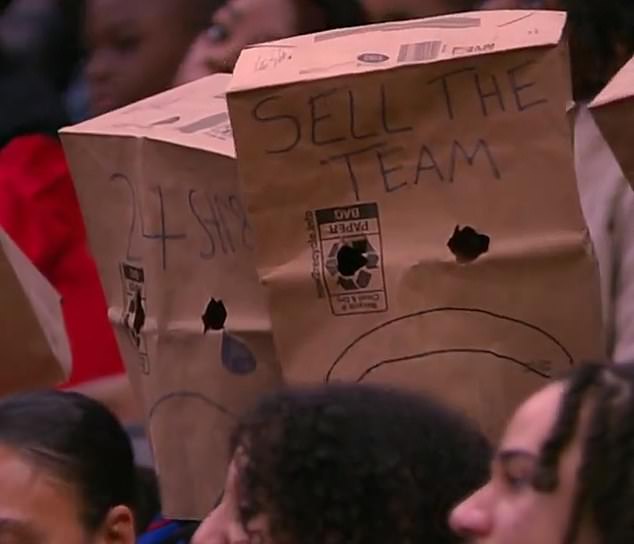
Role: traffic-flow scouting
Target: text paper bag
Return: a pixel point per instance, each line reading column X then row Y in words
column 413, row 194
column 613, row 110
column 35, row 347
column 158, row 187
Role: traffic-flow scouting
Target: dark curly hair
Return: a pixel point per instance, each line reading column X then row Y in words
column 606, row 473
column 352, row 464
column 601, row 41
column 601, row 34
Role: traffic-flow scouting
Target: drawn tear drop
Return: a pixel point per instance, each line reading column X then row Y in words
column 236, row 356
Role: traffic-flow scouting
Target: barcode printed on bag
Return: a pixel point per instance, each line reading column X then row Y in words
column 419, row 52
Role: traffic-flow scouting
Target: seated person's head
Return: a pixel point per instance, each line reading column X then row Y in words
column 66, row 472
column 601, row 34
column 239, row 23
column 244, row 22
column 564, row 472
column 346, row 465
column 136, row 46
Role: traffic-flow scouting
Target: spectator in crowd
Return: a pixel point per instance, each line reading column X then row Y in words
column 601, row 36
column 67, row 472
column 564, row 472
column 346, row 464
column 136, row 47
column 244, row 22
column 239, row 23
column 40, row 212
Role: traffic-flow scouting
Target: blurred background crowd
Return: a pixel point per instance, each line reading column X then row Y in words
column 90, row 56
column 63, row 61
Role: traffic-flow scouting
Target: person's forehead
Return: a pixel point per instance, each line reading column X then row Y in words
column 533, row 421
column 29, row 495
column 17, row 475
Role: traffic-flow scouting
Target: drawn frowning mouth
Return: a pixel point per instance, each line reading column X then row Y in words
column 477, row 332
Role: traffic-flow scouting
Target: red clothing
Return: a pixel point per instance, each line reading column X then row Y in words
column 39, row 210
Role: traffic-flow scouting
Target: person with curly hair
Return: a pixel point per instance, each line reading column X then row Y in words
column 346, row 464
column 564, row 473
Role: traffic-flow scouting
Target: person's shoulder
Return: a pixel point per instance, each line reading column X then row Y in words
column 27, row 146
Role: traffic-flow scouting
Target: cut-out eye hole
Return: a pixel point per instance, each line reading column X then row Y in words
column 139, row 313
column 352, row 258
column 467, row 244
column 215, row 316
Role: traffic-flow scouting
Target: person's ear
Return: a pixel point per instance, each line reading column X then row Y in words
column 118, row 527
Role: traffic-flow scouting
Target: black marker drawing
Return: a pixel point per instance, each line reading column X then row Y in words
column 190, row 396
column 235, row 355
column 132, row 229
column 517, row 20
column 544, row 353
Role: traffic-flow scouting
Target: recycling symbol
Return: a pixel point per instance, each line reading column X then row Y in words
column 352, row 263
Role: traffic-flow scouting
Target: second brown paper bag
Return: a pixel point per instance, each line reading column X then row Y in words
column 613, row 110
column 413, row 195
column 157, row 183
column 36, row 350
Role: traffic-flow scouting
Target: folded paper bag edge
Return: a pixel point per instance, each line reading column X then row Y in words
column 297, row 60
column 45, row 302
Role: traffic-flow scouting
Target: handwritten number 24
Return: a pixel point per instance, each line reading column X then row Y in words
column 213, row 213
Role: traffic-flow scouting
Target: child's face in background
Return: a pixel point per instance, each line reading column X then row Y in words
column 135, row 48
column 239, row 23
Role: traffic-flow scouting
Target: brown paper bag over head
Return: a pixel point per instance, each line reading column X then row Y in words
column 613, row 110
column 157, row 183
column 35, row 347
column 413, row 195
